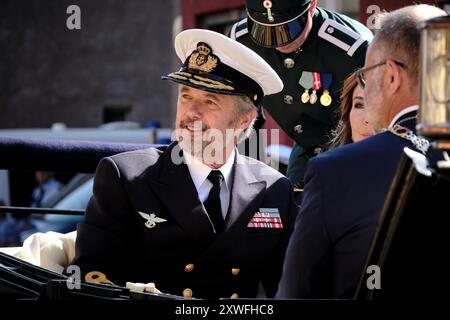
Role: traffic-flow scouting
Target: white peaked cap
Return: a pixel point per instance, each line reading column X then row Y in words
column 238, row 69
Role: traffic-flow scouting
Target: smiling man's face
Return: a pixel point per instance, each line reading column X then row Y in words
column 206, row 120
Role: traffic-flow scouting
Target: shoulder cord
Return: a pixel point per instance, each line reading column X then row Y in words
column 420, row 144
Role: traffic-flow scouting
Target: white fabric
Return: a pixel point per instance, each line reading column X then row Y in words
column 51, row 250
column 231, row 53
column 142, row 287
column 444, row 164
column 199, row 173
column 54, row 251
column 12, row 251
column 401, row 113
column 420, row 161
column 240, row 33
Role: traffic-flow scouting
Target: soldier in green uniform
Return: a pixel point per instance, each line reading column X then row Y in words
column 313, row 50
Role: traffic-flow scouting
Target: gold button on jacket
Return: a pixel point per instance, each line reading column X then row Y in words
column 189, row 267
column 187, row 293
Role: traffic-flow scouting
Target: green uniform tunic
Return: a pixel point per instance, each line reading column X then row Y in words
column 336, row 45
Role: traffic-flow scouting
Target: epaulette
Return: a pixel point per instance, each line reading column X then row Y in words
column 239, row 29
column 341, row 36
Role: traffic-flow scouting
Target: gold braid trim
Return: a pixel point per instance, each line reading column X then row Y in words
column 227, row 87
column 208, row 80
column 202, row 81
column 177, row 76
column 184, row 74
column 212, row 84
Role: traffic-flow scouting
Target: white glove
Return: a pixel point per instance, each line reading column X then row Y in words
column 142, row 287
column 51, row 250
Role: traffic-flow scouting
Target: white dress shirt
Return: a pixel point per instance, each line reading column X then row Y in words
column 199, row 173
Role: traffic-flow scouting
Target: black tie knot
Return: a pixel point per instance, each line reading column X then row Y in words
column 212, row 203
column 216, row 178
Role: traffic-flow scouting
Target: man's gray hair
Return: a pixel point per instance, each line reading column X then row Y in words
column 243, row 106
column 399, row 36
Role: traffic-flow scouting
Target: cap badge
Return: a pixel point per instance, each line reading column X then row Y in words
column 268, row 5
column 202, row 59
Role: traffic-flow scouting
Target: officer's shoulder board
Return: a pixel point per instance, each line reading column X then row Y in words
column 341, row 36
column 239, row 29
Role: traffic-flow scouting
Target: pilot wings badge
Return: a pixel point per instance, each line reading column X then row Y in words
column 152, row 219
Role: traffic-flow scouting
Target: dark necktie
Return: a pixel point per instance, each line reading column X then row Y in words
column 212, row 203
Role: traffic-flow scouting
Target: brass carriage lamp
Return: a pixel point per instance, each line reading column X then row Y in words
column 434, row 111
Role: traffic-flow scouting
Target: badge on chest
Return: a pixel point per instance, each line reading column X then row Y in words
column 266, row 218
column 151, row 219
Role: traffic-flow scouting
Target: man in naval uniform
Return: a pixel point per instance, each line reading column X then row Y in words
column 313, row 50
column 346, row 188
column 196, row 218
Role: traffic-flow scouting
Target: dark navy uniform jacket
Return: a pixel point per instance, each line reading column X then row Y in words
column 336, row 45
column 183, row 252
column 344, row 194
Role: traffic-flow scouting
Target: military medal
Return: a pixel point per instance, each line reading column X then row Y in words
column 306, row 81
column 313, row 97
column 325, row 99
column 316, row 86
column 327, row 80
column 305, row 96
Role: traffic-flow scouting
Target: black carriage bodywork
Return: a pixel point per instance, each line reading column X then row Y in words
column 22, row 280
column 411, row 240
column 408, row 246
